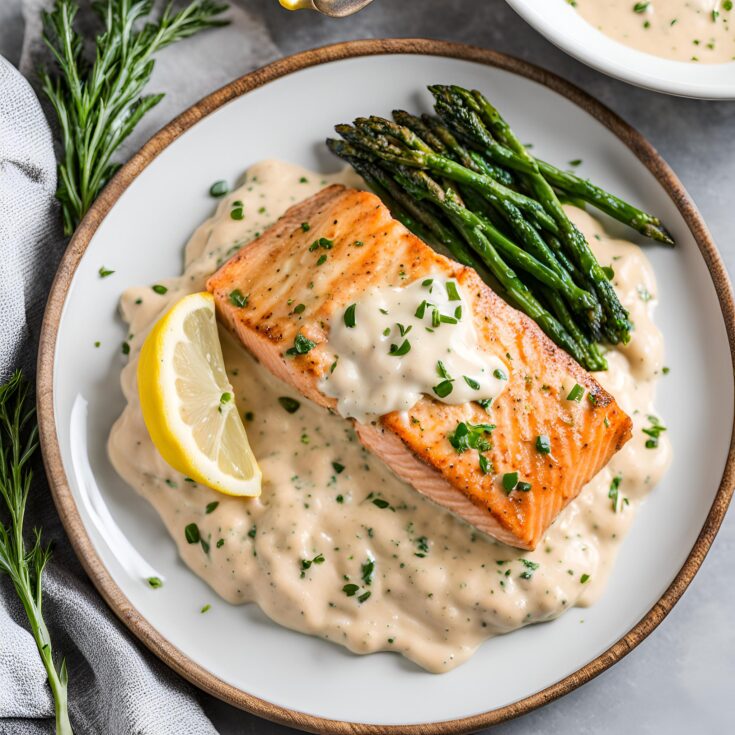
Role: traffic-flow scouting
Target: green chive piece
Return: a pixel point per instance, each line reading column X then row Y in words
column 472, row 383
column 104, row 272
column 159, row 289
column 299, row 308
column 154, row 582
column 452, row 292
column 576, row 393
column 500, row 374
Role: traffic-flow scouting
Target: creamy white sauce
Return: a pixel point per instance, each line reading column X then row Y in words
column 395, row 344
column 437, row 588
column 684, row 30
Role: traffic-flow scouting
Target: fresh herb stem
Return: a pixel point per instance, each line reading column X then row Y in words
column 98, row 104
column 24, row 566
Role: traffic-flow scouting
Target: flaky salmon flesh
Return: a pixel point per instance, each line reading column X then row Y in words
column 278, row 270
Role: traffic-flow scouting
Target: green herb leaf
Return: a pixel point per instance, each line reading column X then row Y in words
column 159, row 289
column 305, row 226
column 510, row 480
column 211, row 507
column 576, row 393
column 154, row 582
column 219, row 189
column 104, row 272
column 301, row 345
column 500, row 374
column 338, row 468
column 543, row 444
column 470, row 436
column 299, row 308
column 237, row 298
column 367, row 569
column 444, row 388
column 654, row 431
column 349, row 317
column 191, row 533
column 350, row 589
column 291, row 405
column 471, row 382
column 399, row 351
column 486, row 466
column 452, row 292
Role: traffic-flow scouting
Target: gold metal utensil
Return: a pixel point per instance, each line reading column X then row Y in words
column 333, row 8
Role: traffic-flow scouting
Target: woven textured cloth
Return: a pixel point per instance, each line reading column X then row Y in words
column 116, row 687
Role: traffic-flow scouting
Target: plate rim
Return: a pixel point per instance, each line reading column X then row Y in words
column 58, row 483
column 623, row 70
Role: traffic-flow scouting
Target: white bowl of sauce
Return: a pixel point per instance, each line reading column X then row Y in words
column 681, row 47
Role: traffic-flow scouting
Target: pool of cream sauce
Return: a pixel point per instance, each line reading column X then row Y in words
column 438, row 588
column 684, row 30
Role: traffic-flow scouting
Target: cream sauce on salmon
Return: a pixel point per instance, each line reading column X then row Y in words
column 336, row 546
column 397, row 343
column 684, row 30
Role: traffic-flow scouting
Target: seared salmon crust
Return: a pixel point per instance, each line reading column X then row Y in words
column 292, row 289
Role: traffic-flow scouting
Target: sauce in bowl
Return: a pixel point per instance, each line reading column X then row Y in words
column 684, row 30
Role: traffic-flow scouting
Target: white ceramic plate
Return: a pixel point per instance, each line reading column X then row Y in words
column 139, row 226
column 565, row 27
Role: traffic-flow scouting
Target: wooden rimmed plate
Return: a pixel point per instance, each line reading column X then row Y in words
column 138, row 228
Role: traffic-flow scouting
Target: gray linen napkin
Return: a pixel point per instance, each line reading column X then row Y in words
column 116, row 687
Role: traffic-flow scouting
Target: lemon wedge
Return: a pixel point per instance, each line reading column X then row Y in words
column 188, row 402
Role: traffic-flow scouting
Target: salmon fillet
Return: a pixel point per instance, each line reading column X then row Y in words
column 370, row 248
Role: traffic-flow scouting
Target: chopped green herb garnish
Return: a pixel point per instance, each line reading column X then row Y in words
column 104, row 272
column 253, row 531
column 614, row 494
column 641, row 7
column 211, row 507
column 444, row 388
column 531, row 567
column 486, row 466
column 576, row 162
column 367, row 571
column 427, row 283
column 471, row 436
column 485, row 403
column 238, row 298
column 191, row 533
column 500, row 374
column 237, row 212
column 299, row 308
column 523, row 487
column 654, row 431
column 584, row 579
column 350, row 589
column 225, row 398
column 452, row 292
column 543, row 444
column 306, row 563
column 338, row 468
column 510, row 480
column 125, row 347
column 154, row 582
column 364, row 596
column 421, row 309
column 381, row 503
column 422, row 544
column 301, row 345
column 159, row 289
column 291, row 405
column 399, row 351
column 305, row 226
column 219, row 189
column 441, row 371
column 576, row 393
column 472, row 383
column 205, row 608
column 322, row 259
column 349, row 317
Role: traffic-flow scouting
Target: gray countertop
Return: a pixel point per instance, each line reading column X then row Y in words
column 680, row 679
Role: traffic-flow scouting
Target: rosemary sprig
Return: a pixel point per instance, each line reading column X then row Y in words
column 98, row 104
column 24, row 566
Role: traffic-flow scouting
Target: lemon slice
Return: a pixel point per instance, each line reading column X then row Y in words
column 188, row 403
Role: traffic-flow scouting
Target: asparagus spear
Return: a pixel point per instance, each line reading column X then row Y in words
column 470, row 124
column 619, row 327
column 417, row 154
